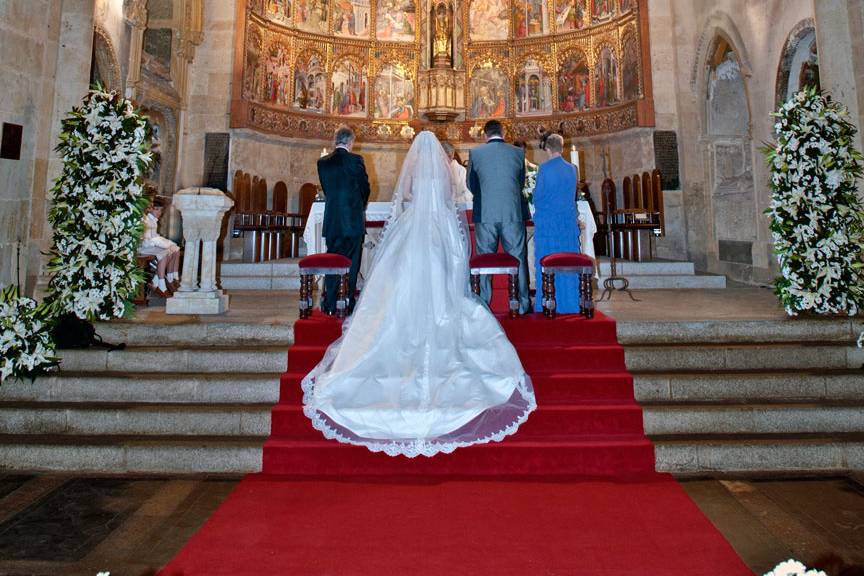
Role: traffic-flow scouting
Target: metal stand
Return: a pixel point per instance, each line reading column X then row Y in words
column 609, row 283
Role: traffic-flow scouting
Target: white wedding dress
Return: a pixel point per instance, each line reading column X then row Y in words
column 422, row 366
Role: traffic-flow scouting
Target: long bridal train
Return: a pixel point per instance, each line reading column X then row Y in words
column 422, row 366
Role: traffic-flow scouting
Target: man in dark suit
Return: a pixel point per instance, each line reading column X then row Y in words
column 346, row 187
column 496, row 176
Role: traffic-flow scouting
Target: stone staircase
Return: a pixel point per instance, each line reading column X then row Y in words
column 748, row 397
column 188, row 398
column 720, row 396
column 274, row 275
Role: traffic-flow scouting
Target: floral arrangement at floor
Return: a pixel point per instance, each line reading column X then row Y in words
column 817, row 217
column 794, row 568
column 97, row 210
column 26, row 347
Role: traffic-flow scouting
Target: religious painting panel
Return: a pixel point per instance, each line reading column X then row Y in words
column 574, row 92
column 530, row 18
column 256, row 66
column 394, row 94
column 348, row 89
column 602, row 10
column 489, row 20
column 630, row 68
column 277, row 11
column 351, row 18
column 489, row 92
column 309, row 84
column 276, row 75
column 533, row 90
column 626, row 6
column 606, row 79
column 570, row 15
column 396, row 21
column 311, row 15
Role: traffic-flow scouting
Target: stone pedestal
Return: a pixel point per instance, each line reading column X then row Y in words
column 203, row 210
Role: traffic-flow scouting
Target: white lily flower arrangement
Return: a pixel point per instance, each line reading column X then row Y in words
column 98, row 208
column 26, row 345
column 794, row 568
column 817, row 217
column 530, row 182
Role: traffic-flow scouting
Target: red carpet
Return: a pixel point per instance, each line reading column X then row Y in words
column 573, row 492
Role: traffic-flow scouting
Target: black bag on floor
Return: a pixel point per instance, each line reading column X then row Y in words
column 71, row 332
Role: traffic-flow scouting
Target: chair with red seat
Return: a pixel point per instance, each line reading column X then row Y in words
column 568, row 263
column 490, row 264
column 323, row 264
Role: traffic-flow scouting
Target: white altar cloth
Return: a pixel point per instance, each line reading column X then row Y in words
column 380, row 211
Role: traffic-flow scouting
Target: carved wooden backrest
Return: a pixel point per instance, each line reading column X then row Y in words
column 647, row 201
column 259, row 195
column 627, row 191
column 246, row 205
column 307, row 197
column 657, row 199
column 607, row 194
column 280, row 197
column 636, row 197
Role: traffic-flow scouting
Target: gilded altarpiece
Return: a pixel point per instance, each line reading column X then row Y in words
column 392, row 67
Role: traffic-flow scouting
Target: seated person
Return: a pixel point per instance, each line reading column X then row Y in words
column 461, row 194
column 167, row 278
column 556, row 222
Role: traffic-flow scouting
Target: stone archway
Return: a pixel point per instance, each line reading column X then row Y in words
column 104, row 64
column 799, row 64
column 727, row 133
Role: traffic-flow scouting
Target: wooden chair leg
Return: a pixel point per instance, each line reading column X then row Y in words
column 342, row 302
column 589, row 296
column 547, row 311
column 552, row 304
column 513, row 290
column 304, row 297
column 475, row 284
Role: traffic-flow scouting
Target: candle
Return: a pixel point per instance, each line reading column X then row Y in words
column 323, row 152
column 574, row 156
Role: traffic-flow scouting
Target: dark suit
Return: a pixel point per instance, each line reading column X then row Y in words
column 346, row 187
column 496, row 176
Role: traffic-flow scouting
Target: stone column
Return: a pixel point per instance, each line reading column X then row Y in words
column 202, row 210
column 839, row 29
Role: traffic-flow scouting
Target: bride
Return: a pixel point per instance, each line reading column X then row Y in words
column 422, row 366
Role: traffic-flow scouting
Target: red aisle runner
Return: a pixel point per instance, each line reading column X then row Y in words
column 573, row 492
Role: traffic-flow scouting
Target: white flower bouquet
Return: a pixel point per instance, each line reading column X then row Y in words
column 817, row 217
column 98, row 207
column 793, row 568
column 530, row 182
column 26, row 347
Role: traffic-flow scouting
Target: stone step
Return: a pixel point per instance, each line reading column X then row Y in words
column 259, row 282
column 801, row 330
column 759, row 455
column 284, row 267
column 235, row 335
column 213, row 389
column 267, row 359
column 760, row 357
column 136, row 420
column 670, row 282
column 748, row 387
column 131, row 454
column 752, row 419
column 653, row 268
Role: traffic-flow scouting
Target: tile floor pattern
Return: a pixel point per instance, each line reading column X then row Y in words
column 51, row 525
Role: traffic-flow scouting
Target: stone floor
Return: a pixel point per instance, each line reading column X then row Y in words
column 75, row 526
column 734, row 303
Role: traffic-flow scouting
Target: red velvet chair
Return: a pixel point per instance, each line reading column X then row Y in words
column 323, row 264
column 490, row 264
column 568, row 263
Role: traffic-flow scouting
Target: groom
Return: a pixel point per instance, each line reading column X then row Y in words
column 496, row 176
column 346, row 187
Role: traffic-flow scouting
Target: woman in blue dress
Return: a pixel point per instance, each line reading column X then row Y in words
column 556, row 223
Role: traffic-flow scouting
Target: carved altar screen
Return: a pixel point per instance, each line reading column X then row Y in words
column 391, row 67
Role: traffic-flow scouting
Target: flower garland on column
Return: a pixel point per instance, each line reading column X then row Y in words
column 817, row 216
column 98, row 207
